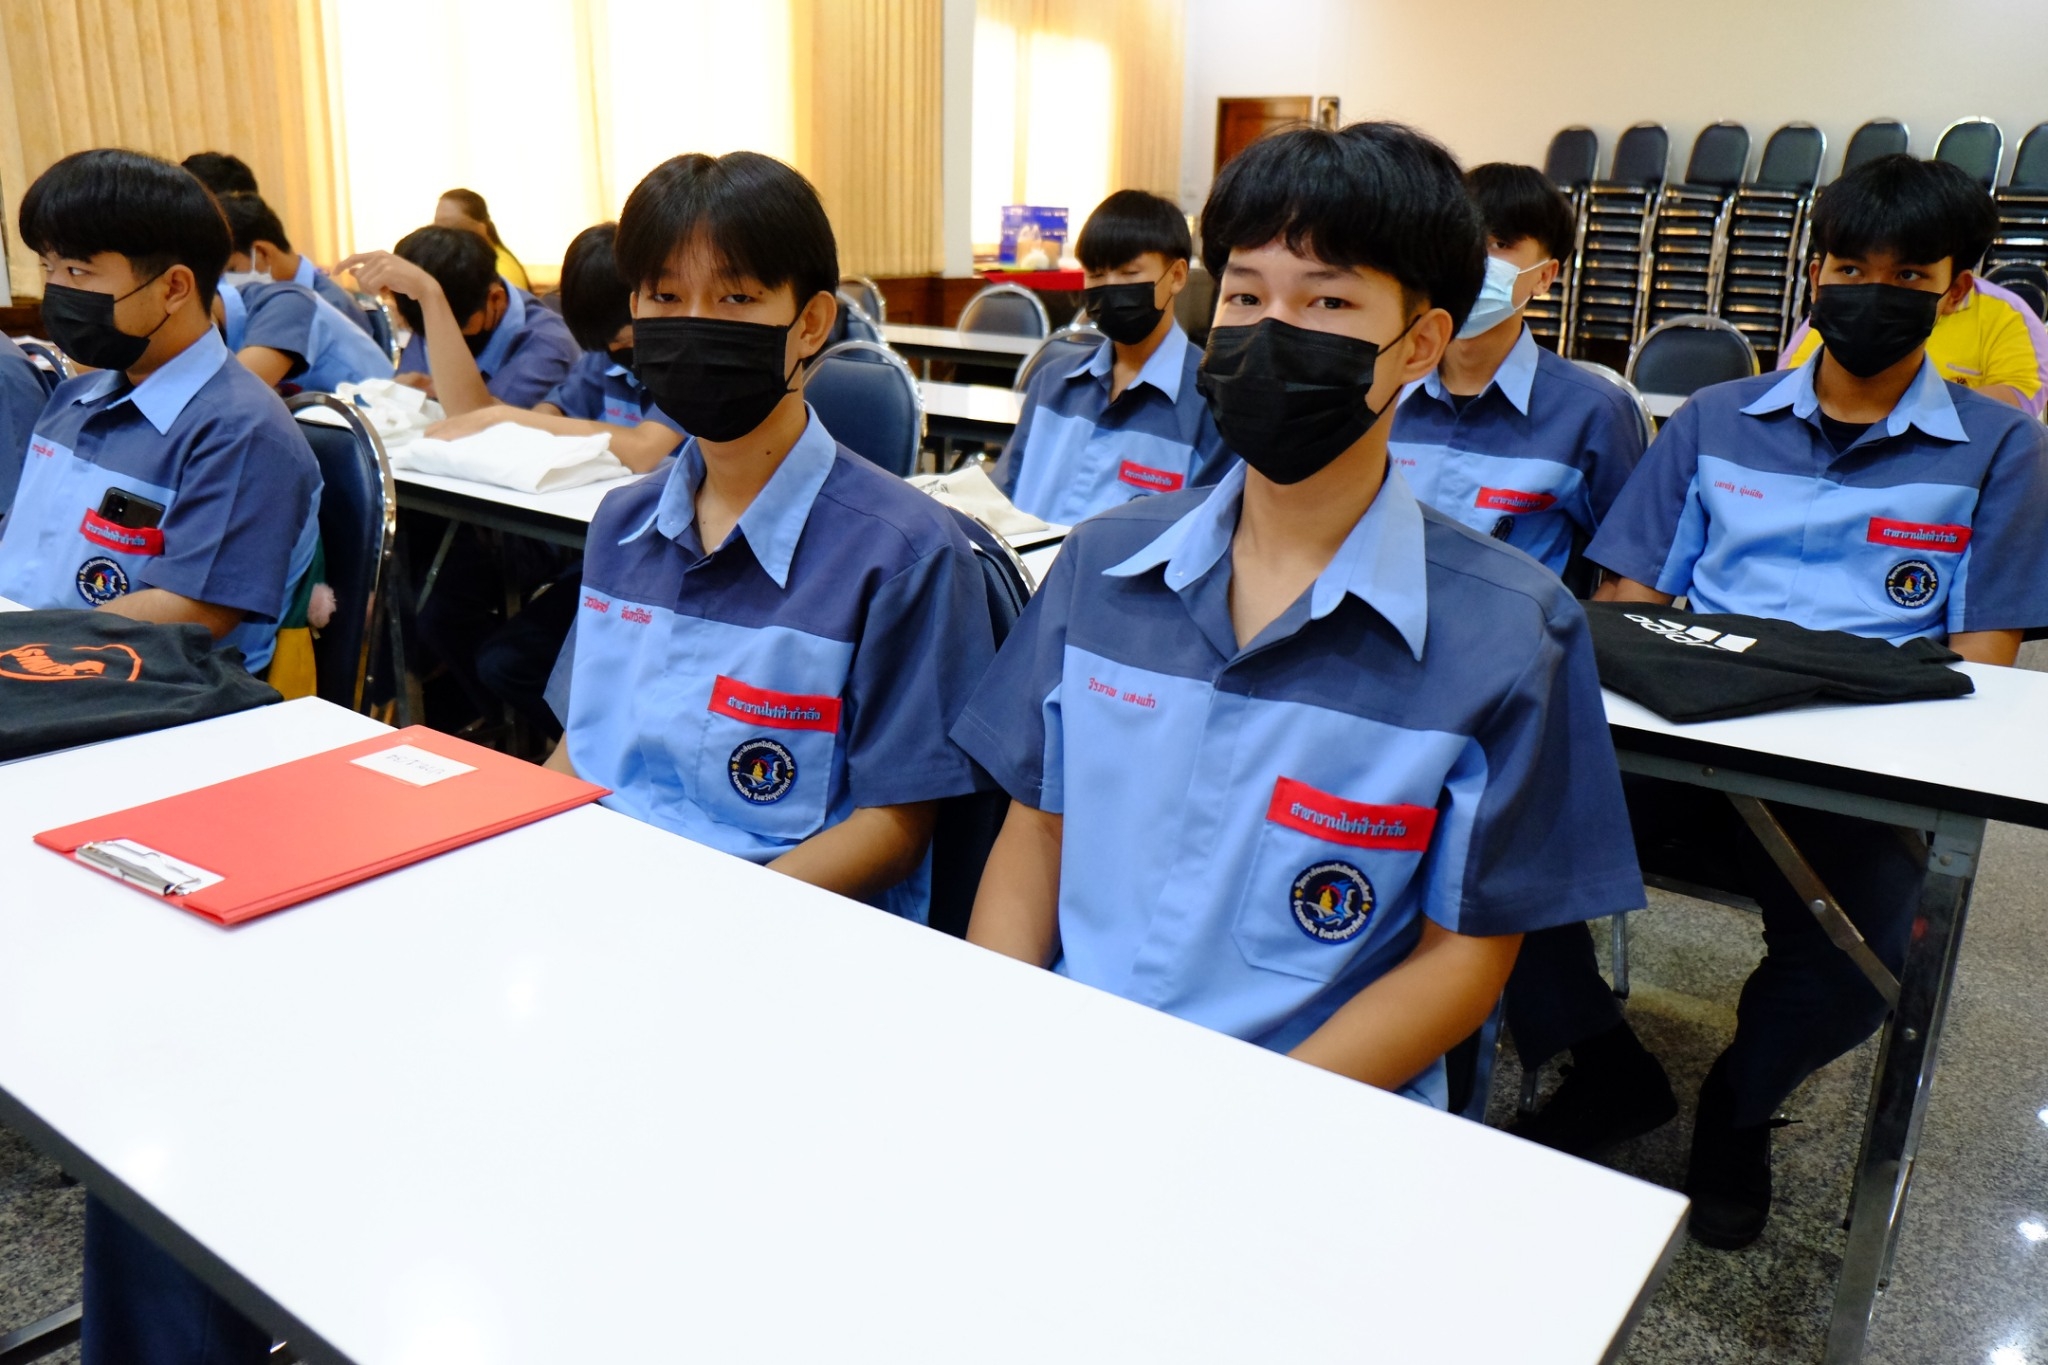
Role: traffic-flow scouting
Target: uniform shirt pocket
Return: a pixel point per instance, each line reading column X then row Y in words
column 768, row 759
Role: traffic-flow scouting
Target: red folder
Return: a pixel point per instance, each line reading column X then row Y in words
column 287, row 834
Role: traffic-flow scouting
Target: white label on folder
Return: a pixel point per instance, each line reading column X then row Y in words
column 410, row 763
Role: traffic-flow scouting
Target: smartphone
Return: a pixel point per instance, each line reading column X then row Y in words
column 131, row 510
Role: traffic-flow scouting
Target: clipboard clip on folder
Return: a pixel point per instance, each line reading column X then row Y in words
column 140, row 865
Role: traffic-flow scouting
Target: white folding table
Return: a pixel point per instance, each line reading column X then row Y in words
column 926, row 344
column 588, row 1091
column 970, row 412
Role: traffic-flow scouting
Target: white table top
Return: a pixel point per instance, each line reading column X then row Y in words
column 953, row 339
column 972, row 402
column 8, row 604
column 1662, row 405
column 572, row 504
column 587, row 1090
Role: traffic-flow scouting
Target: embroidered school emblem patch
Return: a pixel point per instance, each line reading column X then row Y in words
column 1332, row 902
column 762, row 771
column 101, row 580
column 1911, row 583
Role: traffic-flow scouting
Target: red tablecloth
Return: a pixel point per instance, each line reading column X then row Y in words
column 1069, row 280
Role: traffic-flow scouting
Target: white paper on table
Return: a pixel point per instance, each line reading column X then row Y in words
column 397, row 412
column 970, row 490
column 509, row 455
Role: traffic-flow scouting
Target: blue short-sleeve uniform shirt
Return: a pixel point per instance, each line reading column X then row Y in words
column 310, row 276
column 1534, row 459
column 203, row 439
column 599, row 389
column 21, row 398
column 1934, row 522
column 1254, row 835
column 1075, row 453
column 327, row 349
column 755, row 695
column 530, row 351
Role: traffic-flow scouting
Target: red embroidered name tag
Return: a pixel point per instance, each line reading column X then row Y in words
column 776, row 710
column 129, row 540
column 1144, row 476
column 1514, row 500
column 1300, row 806
column 1918, row 535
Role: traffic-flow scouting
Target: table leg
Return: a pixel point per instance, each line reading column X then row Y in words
column 1905, row 1074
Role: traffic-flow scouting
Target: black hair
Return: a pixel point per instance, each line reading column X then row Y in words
column 473, row 206
column 462, row 263
column 1919, row 211
column 250, row 221
column 142, row 207
column 594, row 298
column 762, row 218
column 1378, row 195
column 1519, row 201
column 1127, row 225
column 221, row 172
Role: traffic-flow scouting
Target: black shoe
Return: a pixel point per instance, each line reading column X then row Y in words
column 1603, row 1103
column 1729, row 1177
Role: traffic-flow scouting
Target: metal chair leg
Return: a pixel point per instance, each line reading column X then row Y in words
column 42, row 1338
column 1618, row 928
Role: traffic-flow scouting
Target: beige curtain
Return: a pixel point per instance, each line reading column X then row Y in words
column 170, row 77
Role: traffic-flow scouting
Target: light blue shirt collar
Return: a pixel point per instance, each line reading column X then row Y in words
column 162, row 396
column 773, row 522
column 1381, row 561
column 234, row 315
column 1163, row 370
column 306, row 273
column 615, row 369
column 1515, row 377
column 1925, row 403
column 500, row 345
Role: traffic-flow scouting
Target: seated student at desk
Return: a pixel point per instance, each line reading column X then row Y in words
column 773, row 637
column 1505, row 436
column 263, row 253
column 1985, row 338
column 1858, row 493
column 1317, row 739
column 21, row 398
column 285, row 332
column 169, row 485
column 1126, row 421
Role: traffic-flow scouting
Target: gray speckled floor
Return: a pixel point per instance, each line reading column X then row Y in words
column 42, row 1227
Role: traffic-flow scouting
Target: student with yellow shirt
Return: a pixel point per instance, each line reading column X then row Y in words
column 1985, row 338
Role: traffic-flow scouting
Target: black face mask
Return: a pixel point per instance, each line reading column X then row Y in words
column 477, row 343
column 1123, row 312
column 718, row 378
column 1869, row 328
column 1287, row 399
column 622, row 356
column 81, row 322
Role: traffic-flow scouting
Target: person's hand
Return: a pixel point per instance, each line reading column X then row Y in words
column 413, row 379
column 379, row 271
column 470, row 423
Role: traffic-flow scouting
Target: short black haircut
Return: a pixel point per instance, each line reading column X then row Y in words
column 594, row 297
column 250, row 221
column 1127, row 225
column 1918, row 211
column 221, row 172
column 1378, row 195
column 762, row 218
column 142, row 207
column 462, row 263
column 1519, row 201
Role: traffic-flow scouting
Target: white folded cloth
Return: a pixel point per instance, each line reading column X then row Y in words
column 398, row 412
column 509, row 455
column 970, row 490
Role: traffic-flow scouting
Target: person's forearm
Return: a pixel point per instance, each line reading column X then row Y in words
column 1614, row 588
column 559, row 759
column 169, row 608
column 1988, row 646
column 866, row 853
column 458, row 384
column 1439, row 996
column 1017, row 909
column 2006, row 394
column 267, row 365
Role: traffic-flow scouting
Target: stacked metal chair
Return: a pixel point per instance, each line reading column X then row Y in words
column 1974, row 144
column 1571, row 163
column 2023, row 207
column 1689, row 247
column 1615, row 229
column 1768, row 226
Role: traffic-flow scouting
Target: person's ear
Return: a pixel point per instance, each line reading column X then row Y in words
column 1175, row 279
column 1415, row 356
column 633, row 304
column 177, row 286
column 495, row 304
column 813, row 326
column 1812, row 275
column 1547, row 276
column 1958, row 292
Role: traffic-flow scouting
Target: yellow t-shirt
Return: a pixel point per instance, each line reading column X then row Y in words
column 1991, row 339
column 509, row 267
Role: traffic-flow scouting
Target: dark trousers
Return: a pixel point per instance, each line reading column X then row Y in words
column 515, row 661
column 465, row 616
column 143, row 1308
column 1807, row 1003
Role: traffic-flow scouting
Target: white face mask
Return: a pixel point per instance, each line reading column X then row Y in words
column 1496, row 302
column 239, row 278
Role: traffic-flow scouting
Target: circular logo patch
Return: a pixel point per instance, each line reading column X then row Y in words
column 1503, row 528
column 1332, row 902
column 1912, row 583
column 101, row 580
column 762, row 771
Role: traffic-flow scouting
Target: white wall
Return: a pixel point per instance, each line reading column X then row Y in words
column 1494, row 79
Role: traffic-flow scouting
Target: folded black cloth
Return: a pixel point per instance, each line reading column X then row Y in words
column 75, row 677
column 1686, row 666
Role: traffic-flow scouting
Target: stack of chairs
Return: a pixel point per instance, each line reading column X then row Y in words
column 1615, row 229
column 1689, row 247
column 1974, row 144
column 1571, row 163
column 1768, row 226
column 2023, row 207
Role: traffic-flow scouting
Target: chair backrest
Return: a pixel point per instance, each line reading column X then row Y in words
column 1635, row 395
column 56, row 367
column 854, row 322
column 2030, row 166
column 1573, row 158
column 1792, row 158
column 380, row 323
column 358, row 528
column 1009, row 309
column 1641, row 155
column 1974, row 145
column 868, row 399
column 2033, row 291
column 1685, row 354
column 1069, row 343
column 1720, row 154
column 867, row 294
column 1879, row 137
column 1195, row 307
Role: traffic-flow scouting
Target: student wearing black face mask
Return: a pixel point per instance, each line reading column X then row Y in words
column 773, row 636
column 1126, row 421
